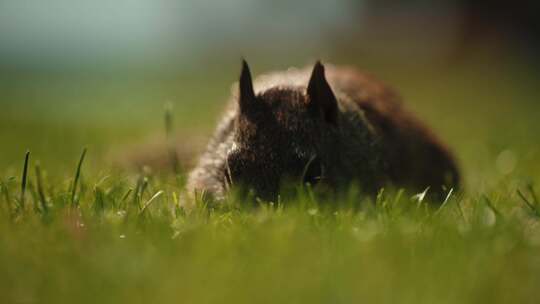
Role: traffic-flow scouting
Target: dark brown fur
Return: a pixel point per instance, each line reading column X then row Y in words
column 333, row 128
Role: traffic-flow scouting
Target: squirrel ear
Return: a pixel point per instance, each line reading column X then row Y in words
column 247, row 95
column 321, row 97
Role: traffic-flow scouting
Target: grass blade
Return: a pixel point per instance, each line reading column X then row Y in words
column 460, row 209
column 524, row 199
column 124, row 198
column 533, row 194
column 41, row 193
column 529, row 204
column 99, row 201
column 173, row 155
column 77, row 176
column 135, row 198
column 150, row 201
column 445, row 201
column 5, row 192
column 24, row 179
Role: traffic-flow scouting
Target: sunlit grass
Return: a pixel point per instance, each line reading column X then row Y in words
column 120, row 244
column 75, row 228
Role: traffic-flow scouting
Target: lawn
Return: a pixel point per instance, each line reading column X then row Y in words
column 76, row 230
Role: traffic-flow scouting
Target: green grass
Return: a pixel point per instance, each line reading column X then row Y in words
column 74, row 229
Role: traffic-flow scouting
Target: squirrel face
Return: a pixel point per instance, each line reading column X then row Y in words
column 278, row 135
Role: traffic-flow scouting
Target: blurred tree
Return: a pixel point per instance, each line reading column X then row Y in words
column 513, row 22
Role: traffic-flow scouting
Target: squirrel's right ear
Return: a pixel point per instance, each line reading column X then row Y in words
column 321, row 98
column 247, row 95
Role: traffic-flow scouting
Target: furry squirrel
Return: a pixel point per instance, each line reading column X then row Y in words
column 330, row 126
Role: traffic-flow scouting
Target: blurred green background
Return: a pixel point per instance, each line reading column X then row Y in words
column 97, row 74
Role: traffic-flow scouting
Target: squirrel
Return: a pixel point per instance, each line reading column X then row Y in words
column 333, row 126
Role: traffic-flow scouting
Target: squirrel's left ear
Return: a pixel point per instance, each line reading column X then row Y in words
column 321, row 98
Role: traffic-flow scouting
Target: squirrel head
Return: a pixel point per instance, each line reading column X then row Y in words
column 280, row 134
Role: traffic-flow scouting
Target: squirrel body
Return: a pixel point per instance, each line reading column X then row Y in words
column 324, row 125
